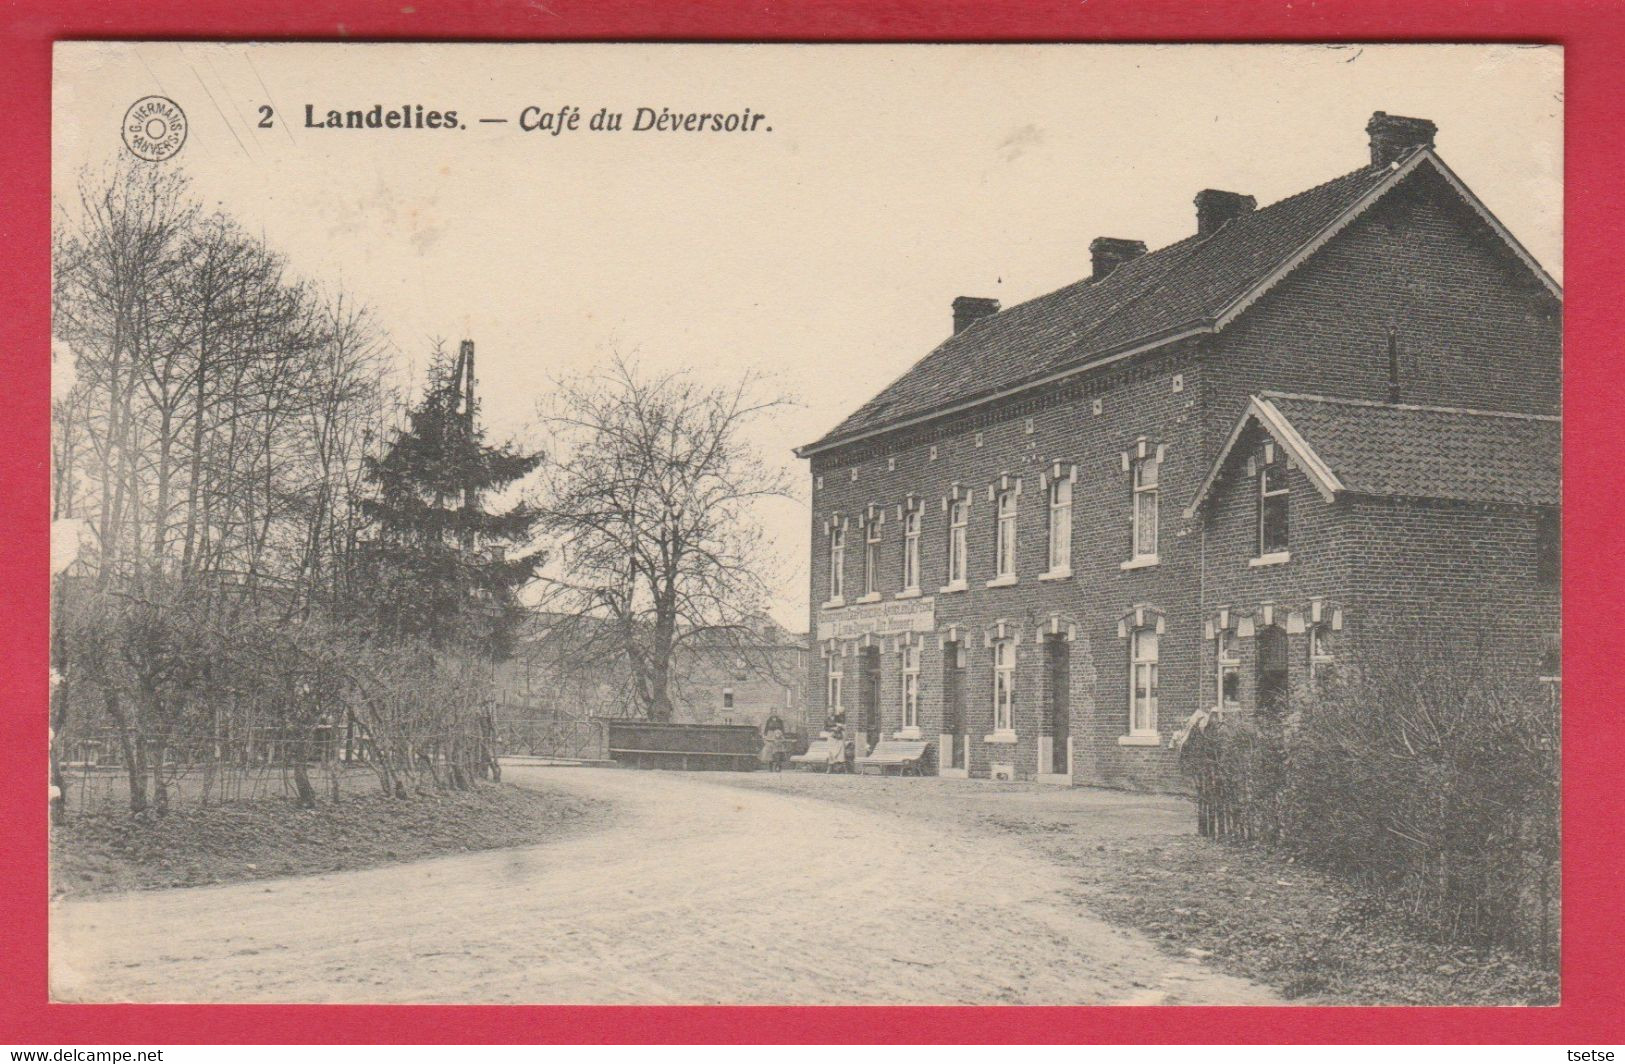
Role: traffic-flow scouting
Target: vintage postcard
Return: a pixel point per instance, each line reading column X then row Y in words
column 806, row 524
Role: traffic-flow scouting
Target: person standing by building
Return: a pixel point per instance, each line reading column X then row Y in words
column 773, row 743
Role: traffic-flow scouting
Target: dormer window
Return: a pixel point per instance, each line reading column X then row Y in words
column 1272, row 507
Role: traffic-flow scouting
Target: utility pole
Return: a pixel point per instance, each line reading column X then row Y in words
column 465, row 384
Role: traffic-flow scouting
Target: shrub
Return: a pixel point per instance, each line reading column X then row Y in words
column 1431, row 777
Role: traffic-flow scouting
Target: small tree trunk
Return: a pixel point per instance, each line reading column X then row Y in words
column 434, row 773
column 301, row 785
column 160, row 789
column 135, row 767
column 297, row 753
column 136, row 763
column 59, row 803
column 59, row 725
column 488, row 748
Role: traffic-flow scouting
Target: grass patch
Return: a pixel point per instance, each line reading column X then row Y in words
column 1311, row 936
column 194, row 845
column 1138, row 862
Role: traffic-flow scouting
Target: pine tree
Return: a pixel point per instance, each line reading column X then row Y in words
column 438, row 568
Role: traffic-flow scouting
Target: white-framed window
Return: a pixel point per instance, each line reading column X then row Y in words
column 1322, row 663
column 832, row 696
column 1551, row 669
column 871, row 559
column 1142, row 712
column 911, row 686
column 1145, row 507
column 1004, row 538
column 1229, row 679
column 1004, row 685
column 837, row 563
column 1549, row 547
column 1272, row 503
column 958, row 518
column 1060, row 525
column 911, row 550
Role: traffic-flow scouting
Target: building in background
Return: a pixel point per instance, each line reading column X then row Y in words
column 568, row 666
column 1199, row 476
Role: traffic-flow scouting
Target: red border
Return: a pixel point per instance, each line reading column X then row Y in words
column 1593, row 33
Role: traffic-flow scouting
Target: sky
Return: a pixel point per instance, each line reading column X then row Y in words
column 824, row 248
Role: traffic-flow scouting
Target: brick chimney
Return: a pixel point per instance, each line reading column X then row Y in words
column 1215, row 206
column 1394, row 136
column 968, row 310
column 1106, row 253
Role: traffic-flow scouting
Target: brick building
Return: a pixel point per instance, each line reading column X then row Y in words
column 1202, row 473
column 743, row 682
column 575, row 666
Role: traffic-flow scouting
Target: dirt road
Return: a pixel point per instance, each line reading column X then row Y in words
column 694, row 893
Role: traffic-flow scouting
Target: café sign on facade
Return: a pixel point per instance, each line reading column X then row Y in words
column 879, row 618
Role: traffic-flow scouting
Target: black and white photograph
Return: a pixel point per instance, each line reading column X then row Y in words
column 769, row 524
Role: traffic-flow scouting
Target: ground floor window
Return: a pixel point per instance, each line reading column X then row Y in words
column 1322, row 664
column 1272, row 668
column 911, row 687
column 832, row 702
column 1229, row 680
column 1143, row 682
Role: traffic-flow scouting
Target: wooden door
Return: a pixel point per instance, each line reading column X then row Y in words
column 1060, row 705
column 871, row 696
column 953, row 702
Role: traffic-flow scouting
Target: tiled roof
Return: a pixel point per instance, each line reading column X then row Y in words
column 1428, row 452
column 1183, row 285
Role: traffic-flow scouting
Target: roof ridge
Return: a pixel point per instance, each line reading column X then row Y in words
column 1472, row 411
column 1191, row 245
column 1366, row 169
column 1199, row 283
column 1195, row 242
column 1153, row 284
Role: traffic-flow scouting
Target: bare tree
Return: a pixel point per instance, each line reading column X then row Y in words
column 213, row 437
column 108, row 267
column 651, row 492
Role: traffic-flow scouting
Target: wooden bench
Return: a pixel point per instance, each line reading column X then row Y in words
column 683, row 759
column 828, row 754
column 905, row 755
column 643, row 744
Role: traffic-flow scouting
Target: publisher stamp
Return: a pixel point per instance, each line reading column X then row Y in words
column 154, row 128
